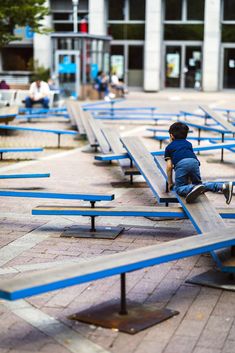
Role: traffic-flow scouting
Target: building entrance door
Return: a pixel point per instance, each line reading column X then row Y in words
column 67, row 65
column 127, row 62
column 229, row 68
column 183, row 64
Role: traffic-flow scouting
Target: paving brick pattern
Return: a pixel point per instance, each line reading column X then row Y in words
column 206, row 320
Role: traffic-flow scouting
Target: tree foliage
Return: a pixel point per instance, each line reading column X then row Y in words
column 20, row 13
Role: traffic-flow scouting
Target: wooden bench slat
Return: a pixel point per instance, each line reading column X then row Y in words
column 75, row 115
column 144, row 161
column 33, row 283
column 206, row 147
column 202, row 213
column 113, row 139
column 50, row 195
column 215, row 116
column 122, row 211
column 35, row 129
column 96, row 127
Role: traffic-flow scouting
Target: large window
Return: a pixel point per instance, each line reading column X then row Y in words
column 137, row 9
column 126, row 19
column 17, row 59
column 184, row 10
column 229, row 10
column 173, row 10
column 62, row 15
column 183, row 32
column 116, row 9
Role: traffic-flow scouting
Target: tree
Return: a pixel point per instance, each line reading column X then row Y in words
column 20, row 13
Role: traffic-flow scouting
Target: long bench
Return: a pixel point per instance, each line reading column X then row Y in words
column 113, row 139
column 121, row 211
column 24, row 176
column 204, row 218
column 33, row 283
column 202, row 214
column 207, row 147
column 18, row 149
column 96, row 127
column 52, row 131
column 92, row 230
column 217, row 118
column 8, row 114
column 75, row 115
column 162, row 138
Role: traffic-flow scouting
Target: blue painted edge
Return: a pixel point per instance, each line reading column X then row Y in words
column 31, row 291
column 118, row 214
column 205, row 127
column 21, row 149
column 163, row 213
column 24, row 176
column 18, row 128
column 41, row 195
column 111, row 157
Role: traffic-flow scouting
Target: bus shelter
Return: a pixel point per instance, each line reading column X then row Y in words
column 76, row 60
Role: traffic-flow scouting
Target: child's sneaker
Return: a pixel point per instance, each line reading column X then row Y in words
column 227, row 190
column 197, row 191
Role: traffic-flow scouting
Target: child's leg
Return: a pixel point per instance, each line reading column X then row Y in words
column 213, row 186
column 185, row 170
column 225, row 188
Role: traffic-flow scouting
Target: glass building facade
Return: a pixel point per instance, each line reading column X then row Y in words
column 156, row 44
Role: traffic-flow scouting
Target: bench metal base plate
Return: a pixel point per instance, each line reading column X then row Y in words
column 85, row 232
column 139, row 316
column 214, row 279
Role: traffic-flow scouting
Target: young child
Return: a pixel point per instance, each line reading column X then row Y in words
column 179, row 156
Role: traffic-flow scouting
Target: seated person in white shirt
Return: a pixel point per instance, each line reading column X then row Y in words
column 117, row 84
column 38, row 93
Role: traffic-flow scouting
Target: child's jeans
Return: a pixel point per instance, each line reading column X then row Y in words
column 187, row 176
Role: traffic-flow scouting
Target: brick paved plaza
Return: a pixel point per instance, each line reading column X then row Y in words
column 206, row 323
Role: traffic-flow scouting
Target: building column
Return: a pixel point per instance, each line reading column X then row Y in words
column 153, row 44
column 211, row 46
column 42, row 44
column 97, row 17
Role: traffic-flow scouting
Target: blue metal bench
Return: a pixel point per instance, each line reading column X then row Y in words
column 81, row 231
column 24, row 176
column 52, row 131
column 59, row 277
column 20, row 149
column 209, row 147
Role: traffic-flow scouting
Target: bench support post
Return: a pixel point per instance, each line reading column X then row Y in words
column 58, row 141
column 222, row 150
column 123, row 309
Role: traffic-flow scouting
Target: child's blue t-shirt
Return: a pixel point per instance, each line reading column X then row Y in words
column 178, row 150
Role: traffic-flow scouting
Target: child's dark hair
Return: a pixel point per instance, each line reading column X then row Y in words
column 179, row 130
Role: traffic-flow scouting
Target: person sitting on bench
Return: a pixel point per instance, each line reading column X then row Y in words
column 38, row 94
column 118, row 85
column 180, row 156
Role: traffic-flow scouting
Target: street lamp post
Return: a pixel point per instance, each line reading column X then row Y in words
column 75, row 15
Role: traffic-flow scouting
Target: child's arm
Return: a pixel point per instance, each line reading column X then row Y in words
column 169, row 168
